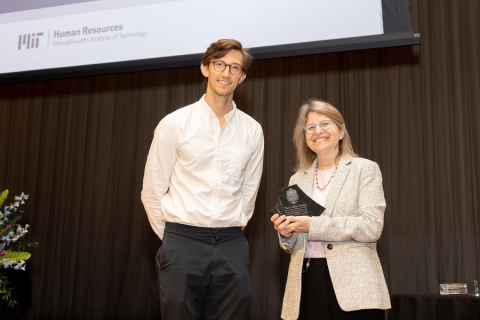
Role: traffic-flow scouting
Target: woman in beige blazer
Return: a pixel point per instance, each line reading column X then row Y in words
column 334, row 271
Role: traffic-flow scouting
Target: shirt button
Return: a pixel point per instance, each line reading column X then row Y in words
column 329, row 247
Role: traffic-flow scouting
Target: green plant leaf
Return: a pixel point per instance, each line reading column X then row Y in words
column 23, row 245
column 17, row 256
column 3, row 196
column 6, row 291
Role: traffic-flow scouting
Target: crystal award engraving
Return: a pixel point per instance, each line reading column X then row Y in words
column 292, row 201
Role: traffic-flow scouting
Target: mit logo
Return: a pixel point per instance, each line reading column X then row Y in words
column 29, row 40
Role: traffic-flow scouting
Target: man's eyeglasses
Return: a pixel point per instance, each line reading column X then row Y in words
column 324, row 125
column 234, row 68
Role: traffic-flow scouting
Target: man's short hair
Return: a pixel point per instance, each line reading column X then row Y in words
column 222, row 47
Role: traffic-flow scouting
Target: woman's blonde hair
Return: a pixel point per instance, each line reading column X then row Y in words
column 305, row 156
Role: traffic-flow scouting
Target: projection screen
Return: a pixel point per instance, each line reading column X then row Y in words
column 48, row 39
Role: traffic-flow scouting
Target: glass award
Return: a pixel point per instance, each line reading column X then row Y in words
column 292, row 201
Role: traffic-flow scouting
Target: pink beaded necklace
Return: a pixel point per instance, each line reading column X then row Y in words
column 316, row 178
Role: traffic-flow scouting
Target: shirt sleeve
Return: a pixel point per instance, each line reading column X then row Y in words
column 253, row 175
column 287, row 244
column 158, row 170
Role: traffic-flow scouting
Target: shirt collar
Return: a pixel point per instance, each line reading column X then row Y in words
column 209, row 112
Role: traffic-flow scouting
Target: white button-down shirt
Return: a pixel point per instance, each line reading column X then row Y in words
column 200, row 174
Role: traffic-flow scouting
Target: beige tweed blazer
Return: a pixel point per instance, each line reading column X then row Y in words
column 349, row 229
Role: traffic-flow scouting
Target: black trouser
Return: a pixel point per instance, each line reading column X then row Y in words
column 318, row 300
column 203, row 272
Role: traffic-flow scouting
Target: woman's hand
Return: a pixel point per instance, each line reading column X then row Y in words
column 300, row 224
column 282, row 225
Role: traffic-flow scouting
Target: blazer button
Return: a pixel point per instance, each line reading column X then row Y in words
column 329, row 247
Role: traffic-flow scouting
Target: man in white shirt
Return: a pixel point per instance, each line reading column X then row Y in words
column 201, row 179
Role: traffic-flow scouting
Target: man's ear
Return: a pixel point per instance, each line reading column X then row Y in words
column 205, row 70
column 242, row 78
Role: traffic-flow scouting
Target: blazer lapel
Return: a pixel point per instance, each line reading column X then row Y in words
column 306, row 181
column 338, row 181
